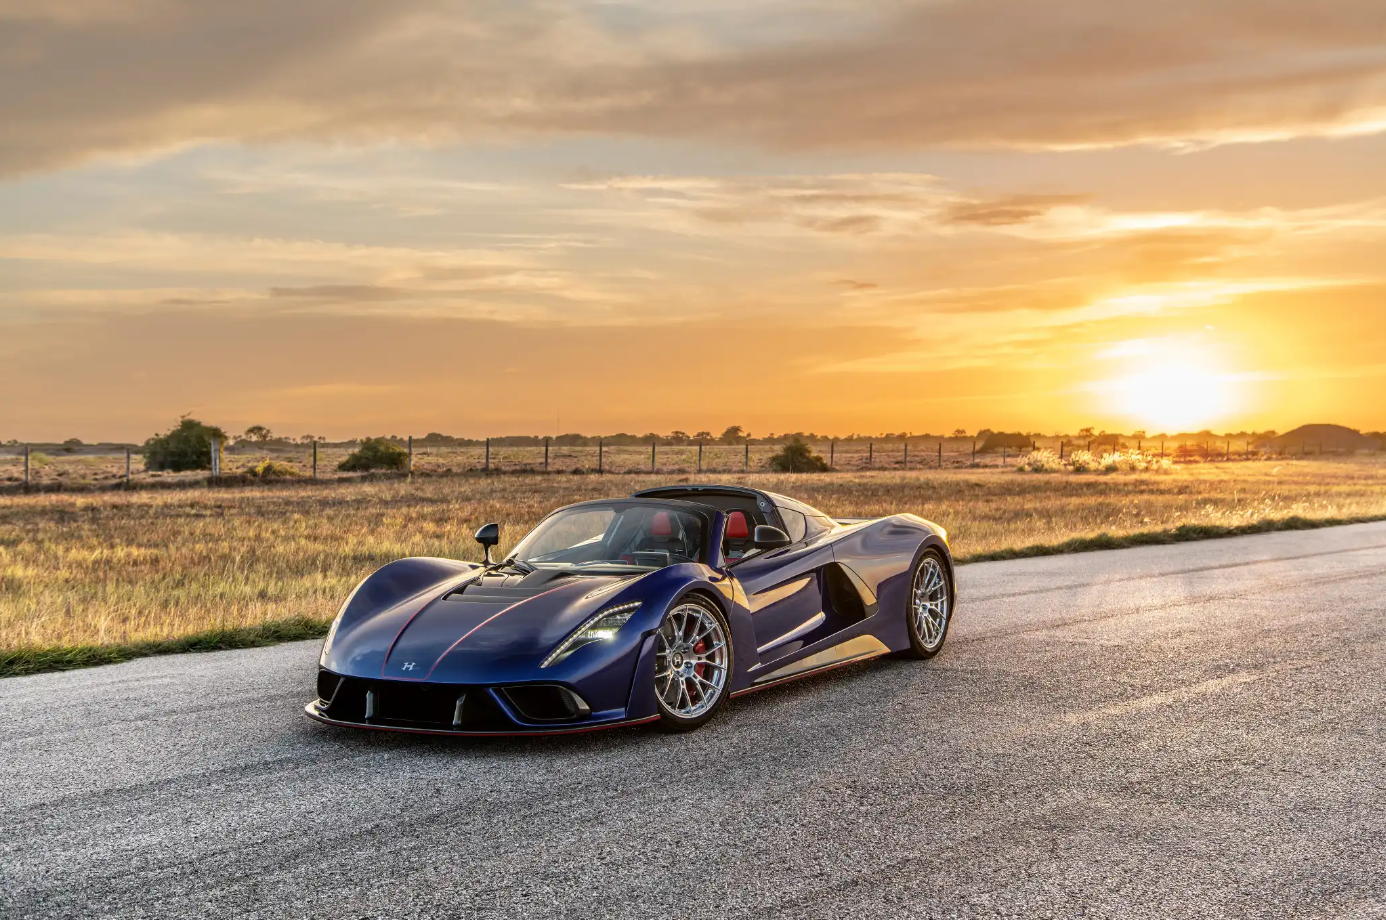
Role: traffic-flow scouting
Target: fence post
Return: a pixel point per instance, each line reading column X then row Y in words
column 870, row 453
column 26, row 467
column 832, row 452
column 216, row 458
column 974, row 449
column 1228, row 454
column 487, row 467
column 411, row 455
column 546, row 455
column 1003, row 454
column 907, row 454
column 746, row 461
column 653, row 444
column 127, row 467
column 315, row 459
column 940, row 455
column 700, row 456
column 1138, row 445
column 600, row 458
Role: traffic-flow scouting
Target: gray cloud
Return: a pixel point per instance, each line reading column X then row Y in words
column 356, row 293
column 1008, row 210
column 94, row 77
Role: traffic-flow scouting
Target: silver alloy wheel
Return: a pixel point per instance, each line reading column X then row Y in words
column 690, row 661
column 929, row 602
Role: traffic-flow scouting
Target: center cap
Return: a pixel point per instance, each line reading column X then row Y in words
column 678, row 661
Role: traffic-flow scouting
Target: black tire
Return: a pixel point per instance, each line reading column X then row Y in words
column 669, row 657
column 928, row 644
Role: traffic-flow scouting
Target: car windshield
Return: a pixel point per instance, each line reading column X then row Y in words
column 624, row 534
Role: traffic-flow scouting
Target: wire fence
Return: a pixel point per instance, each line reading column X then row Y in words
column 47, row 465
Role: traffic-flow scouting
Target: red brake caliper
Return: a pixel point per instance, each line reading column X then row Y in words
column 699, row 649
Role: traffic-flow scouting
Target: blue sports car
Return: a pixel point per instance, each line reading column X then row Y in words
column 653, row 608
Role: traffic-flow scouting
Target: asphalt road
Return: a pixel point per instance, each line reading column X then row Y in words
column 1185, row 731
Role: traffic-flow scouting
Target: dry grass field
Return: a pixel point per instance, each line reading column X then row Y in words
column 113, row 568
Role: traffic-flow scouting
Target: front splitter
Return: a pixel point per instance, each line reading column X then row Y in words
column 311, row 710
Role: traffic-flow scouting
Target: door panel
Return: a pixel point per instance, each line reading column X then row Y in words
column 783, row 592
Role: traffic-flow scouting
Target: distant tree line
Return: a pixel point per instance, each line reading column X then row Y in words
column 193, row 434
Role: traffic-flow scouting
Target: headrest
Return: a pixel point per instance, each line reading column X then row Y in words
column 736, row 526
column 661, row 526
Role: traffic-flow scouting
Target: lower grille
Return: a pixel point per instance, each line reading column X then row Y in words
column 327, row 685
column 433, row 706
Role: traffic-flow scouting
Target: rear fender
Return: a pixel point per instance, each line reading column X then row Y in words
column 883, row 554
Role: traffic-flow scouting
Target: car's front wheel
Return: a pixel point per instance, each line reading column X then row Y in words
column 693, row 661
column 930, row 607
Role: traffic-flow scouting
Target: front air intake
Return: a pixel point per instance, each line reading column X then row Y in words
column 410, row 705
column 327, row 686
column 546, row 703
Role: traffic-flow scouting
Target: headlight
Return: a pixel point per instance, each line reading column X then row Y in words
column 331, row 634
column 337, row 621
column 601, row 628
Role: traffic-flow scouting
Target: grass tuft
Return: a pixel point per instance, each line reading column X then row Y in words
column 15, row 662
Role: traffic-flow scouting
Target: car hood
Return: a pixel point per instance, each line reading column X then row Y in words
column 483, row 627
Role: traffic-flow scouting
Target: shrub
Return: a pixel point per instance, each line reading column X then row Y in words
column 272, row 469
column 1134, row 461
column 1082, row 461
column 375, row 454
column 187, row 446
column 1043, row 460
column 798, row 457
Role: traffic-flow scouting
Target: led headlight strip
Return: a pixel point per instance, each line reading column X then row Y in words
column 601, row 628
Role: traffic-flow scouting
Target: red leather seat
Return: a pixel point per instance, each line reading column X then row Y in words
column 661, row 526
column 737, row 528
column 737, row 540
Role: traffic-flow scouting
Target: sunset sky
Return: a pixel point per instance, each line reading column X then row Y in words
column 353, row 217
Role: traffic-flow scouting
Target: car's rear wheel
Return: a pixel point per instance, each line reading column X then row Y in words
column 693, row 662
column 930, row 607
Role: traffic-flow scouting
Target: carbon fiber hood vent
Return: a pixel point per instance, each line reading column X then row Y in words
column 501, row 588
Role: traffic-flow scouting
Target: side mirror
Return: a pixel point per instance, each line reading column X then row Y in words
column 768, row 538
column 488, row 536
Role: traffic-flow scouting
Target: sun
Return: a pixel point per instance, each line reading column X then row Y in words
column 1183, row 391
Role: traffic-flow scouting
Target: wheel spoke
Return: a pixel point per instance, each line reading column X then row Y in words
column 688, row 683
column 929, row 600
